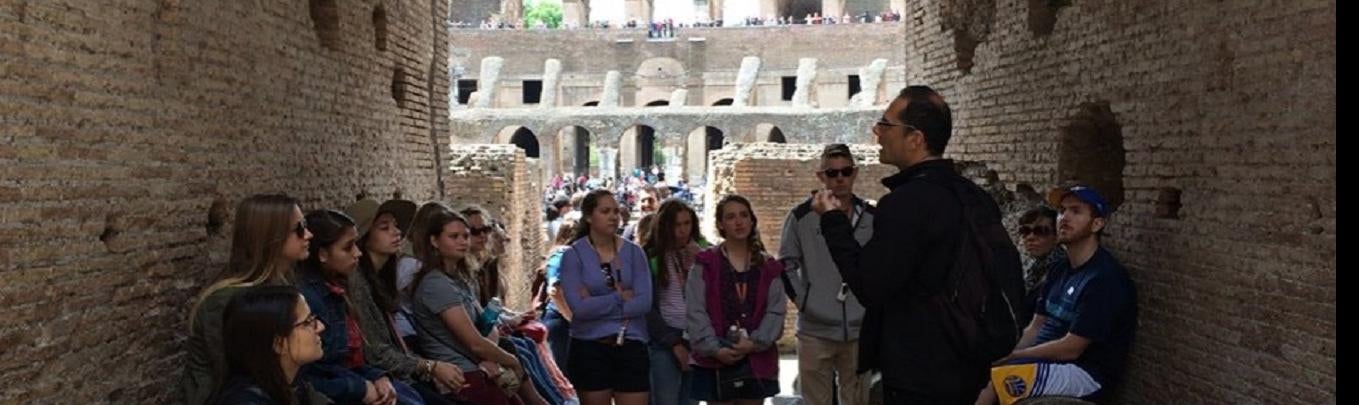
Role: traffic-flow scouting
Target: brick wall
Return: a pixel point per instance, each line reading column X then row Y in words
column 130, row 130
column 501, row 180
column 1224, row 109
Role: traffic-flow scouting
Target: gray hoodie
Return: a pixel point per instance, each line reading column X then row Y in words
column 814, row 277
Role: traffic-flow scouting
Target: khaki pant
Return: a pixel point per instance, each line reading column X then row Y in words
column 819, row 361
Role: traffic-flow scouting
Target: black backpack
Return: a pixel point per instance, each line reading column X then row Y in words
column 982, row 303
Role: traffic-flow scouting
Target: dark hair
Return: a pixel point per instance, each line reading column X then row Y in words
column 560, row 202
column 1036, row 213
column 837, row 150
column 418, row 239
column 587, row 208
column 326, row 227
column 926, row 111
column 383, row 280
column 660, row 241
column 433, row 259
column 756, row 245
column 253, row 321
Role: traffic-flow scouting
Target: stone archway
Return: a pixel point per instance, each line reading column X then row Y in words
column 637, row 149
column 766, row 132
column 575, row 152
column 522, row 137
column 700, row 142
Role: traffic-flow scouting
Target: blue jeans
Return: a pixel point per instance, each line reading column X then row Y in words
column 558, row 338
column 527, row 354
column 669, row 384
column 405, row 395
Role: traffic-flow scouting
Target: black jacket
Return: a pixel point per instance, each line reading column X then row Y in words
column 916, row 232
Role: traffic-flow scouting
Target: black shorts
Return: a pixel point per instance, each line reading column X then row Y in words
column 597, row 366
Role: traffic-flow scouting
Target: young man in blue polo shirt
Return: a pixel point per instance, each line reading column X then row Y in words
column 1085, row 317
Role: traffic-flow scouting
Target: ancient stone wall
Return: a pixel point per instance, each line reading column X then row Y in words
column 129, row 131
column 501, row 180
column 702, row 60
column 1216, row 120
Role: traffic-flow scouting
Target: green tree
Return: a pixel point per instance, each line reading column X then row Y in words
column 657, row 154
column 549, row 12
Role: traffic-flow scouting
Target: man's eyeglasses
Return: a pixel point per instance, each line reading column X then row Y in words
column 1036, row 230
column 311, row 322
column 481, row 231
column 833, row 173
column 885, row 123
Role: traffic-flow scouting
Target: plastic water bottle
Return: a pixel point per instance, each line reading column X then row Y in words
column 490, row 316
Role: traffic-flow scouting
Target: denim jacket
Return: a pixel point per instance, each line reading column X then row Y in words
column 329, row 375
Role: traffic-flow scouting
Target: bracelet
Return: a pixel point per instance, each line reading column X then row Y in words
column 427, row 368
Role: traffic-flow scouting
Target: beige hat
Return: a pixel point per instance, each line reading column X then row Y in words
column 365, row 211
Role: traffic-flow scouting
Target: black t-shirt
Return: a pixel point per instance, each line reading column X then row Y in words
column 1096, row 301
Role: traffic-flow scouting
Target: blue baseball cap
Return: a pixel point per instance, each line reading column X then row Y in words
column 1085, row 193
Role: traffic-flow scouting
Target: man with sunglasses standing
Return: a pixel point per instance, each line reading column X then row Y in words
column 829, row 315
column 904, row 275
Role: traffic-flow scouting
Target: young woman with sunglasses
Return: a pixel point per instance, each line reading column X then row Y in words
column 492, row 286
column 607, row 285
column 271, row 334
column 269, row 237
column 1038, row 233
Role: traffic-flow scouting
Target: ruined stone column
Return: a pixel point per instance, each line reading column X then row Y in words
column 768, row 8
column 715, row 10
column 512, row 11
column 613, row 82
column 745, row 80
column 575, row 14
column 871, row 76
column 806, row 83
column 552, row 71
column 678, row 97
column 639, row 10
column 834, row 8
column 490, row 74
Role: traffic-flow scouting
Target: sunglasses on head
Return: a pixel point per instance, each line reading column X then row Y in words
column 1038, row 230
column 833, row 173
